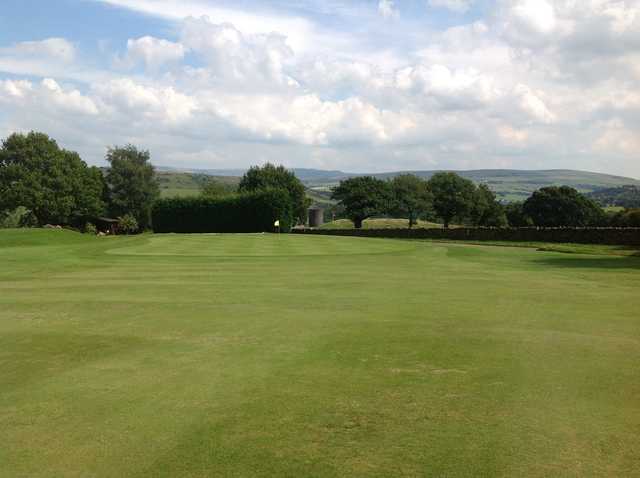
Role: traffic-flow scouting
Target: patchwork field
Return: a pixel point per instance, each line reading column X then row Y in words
column 267, row 355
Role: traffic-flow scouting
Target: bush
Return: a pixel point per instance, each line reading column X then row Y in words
column 18, row 217
column 251, row 212
column 90, row 228
column 128, row 224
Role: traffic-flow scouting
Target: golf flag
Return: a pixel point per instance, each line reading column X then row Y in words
column 276, row 224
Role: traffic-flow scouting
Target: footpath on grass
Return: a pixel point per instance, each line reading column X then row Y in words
column 605, row 236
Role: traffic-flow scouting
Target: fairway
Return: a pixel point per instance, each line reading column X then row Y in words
column 286, row 355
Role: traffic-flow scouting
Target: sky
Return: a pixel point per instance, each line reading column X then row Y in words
column 360, row 85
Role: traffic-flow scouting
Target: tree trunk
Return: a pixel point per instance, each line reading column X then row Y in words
column 358, row 223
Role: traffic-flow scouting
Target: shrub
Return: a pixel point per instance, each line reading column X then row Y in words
column 128, row 224
column 250, row 212
column 18, row 217
column 90, row 228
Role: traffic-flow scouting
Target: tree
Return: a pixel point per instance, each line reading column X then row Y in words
column 132, row 185
column 486, row 210
column 626, row 218
column 516, row 215
column 562, row 207
column 453, row 196
column 410, row 197
column 362, row 197
column 277, row 177
column 53, row 183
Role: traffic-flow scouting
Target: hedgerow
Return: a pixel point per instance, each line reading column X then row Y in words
column 251, row 212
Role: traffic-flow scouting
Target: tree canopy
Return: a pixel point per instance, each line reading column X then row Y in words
column 270, row 176
column 453, row 196
column 362, row 197
column 132, row 185
column 562, row 207
column 410, row 197
column 486, row 210
column 51, row 182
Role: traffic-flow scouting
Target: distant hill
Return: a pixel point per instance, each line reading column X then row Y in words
column 625, row 196
column 509, row 184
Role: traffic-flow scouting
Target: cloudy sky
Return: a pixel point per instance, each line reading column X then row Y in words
column 359, row 85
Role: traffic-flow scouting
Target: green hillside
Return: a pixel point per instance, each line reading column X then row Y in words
column 509, row 185
column 514, row 185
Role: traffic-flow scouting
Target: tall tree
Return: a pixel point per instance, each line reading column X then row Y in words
column 486, row 210
column 132, row 185
column 53, row 183
column 362, row 197
column 410, row 197
column 562, row 207
column 270, row 176
column 453, row 196
column 516, row 215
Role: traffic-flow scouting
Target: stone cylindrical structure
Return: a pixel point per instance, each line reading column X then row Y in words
column 316, row 217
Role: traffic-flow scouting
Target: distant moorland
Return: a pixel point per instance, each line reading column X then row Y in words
column 509, row 185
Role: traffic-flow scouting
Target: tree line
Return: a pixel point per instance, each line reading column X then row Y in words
column 451, row 199
column 41, row 183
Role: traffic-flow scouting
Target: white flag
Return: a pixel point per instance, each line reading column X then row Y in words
column 276, row 224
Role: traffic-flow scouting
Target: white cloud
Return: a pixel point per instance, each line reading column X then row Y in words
column 51, row 48
column 48, row 95
column 154, row 52
column 532, row 104
column 460, row 6
column 535, row 84
column 236, row 58
column 387, row 9
column 163, row 104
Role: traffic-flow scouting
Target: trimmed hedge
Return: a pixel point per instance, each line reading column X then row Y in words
column 611, row 236
column 252, row 212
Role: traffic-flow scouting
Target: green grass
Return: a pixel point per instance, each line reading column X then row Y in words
column 377, row 224
column 267, row 355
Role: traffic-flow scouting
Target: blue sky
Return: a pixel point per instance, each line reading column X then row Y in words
column 363, row 85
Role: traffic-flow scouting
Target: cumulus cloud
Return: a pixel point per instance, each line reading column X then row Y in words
column 235, row 58
column 47, row 95
column 534, row 83
column 153, row 52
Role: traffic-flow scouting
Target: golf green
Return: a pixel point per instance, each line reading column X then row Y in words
column 287, row 355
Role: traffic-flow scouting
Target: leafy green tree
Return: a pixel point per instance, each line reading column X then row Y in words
column 277, row 177
column 132, row 185
column 53, row 183
column 363, row 197
column 626, row 218
column 562, row 207
column 410, row 197
column 516, row 216
column 453, row 196
column 486, row 210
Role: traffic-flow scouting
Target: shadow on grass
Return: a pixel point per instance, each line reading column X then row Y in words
column 586, row 262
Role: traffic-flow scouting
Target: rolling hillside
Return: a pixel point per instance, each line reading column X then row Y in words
column 509, row 185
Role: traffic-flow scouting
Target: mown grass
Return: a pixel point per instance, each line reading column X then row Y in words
column 285, row 355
